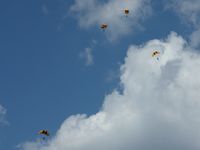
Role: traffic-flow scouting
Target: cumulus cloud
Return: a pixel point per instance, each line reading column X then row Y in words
column 94, row 13
column 158, row 108
column 2, row 114
column 87, row 56
column 189, row 11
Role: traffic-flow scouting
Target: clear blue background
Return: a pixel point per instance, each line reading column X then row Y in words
column 42, row 78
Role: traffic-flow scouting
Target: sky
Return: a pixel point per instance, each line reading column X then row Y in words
column 94, row 89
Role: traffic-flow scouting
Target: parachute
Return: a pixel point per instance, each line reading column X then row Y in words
column 43, row 133
column 156, row 54
column 104, row 26
column 126, row 11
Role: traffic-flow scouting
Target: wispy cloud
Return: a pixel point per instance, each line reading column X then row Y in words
column 158, row 108
column 2, row 115
column 112, row 75
column 94, row 13
column 87, row 56
column 45, row 10
column 189, row 11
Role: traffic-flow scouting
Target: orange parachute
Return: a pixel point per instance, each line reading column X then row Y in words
column 103, row 26
column 155, row 53
column 126, row 11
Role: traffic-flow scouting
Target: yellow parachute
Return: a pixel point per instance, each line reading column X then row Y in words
column 44, row 132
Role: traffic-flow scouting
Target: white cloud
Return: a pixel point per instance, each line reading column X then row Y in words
column 2, row 115
column 189, row 11
column 94, row 13
column 158, row 108
column 87, row 55
column 195, row 38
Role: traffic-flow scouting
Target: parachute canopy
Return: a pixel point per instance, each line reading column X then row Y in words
column 126, row 11
column 155, row 53
column 44, row 132
column 104, row 26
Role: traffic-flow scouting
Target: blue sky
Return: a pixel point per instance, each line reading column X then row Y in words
column 44, row 80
